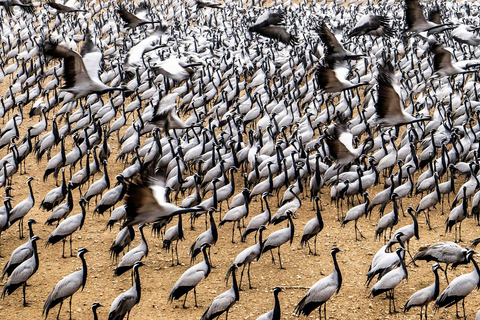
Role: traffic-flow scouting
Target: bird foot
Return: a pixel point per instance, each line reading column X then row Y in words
column 393, row 312
column 26, row 304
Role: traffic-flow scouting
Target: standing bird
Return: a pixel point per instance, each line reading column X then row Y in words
column 312, row 229
column 209, row 236
column 223, row 302
column 67, row 287
column 389, row 107
column 321, row 291
column 79, row 80
column 134, row 255
column 275, row 313
column 460, row 287
column 67, row 228
column 191, row 278
column 355, row 213
column 124, row 303
column 22, row 208
column 423, row 297
column 249, row 254
column 174, row 233
column 21, row 253
column 22, row 273
column 443, row 252
column 95, row 306
column 268, row 25
column 259, row 220
column 279, row 237
column 390, row 280
column 146, row 202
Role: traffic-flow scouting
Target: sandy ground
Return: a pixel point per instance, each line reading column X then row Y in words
column 157, row 278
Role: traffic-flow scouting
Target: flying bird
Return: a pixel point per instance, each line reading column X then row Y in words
column 269, row 25
column 374, row 25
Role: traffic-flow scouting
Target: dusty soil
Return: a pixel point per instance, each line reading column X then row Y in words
column 157, row 278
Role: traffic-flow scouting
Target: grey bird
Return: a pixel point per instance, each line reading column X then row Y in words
column 124, row 303
column 275, row 313
column 223, row 302
column 67, row 287
column 423, row 297
column 321, row 291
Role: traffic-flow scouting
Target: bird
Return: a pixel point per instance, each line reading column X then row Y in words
column 355, row 213
column 312, row 229
column 279, row 237
column 67, row 287
column 174, row 233
column 374, row 25
column 146, row 203
column 249, row 254
column 333, row 78
column 79, row 80
column 442, row 63
column 407, row 232
column 321, row 291
column 223, row 302
column 443, row 252
column 176, row 69
column 460, row 287
column 136, row 254
column 416, row 21
column 22, row 208
column 191, row 278
column 389, row 107
column 340, row 145
column 268, row 25
column 123, row 304
column 259, row 220
column 423, row 297
column 22, row 273
column 335, row 51
column 132, row 21
column 123, row 239
column 390, row 280
column 21, row 253
column 209, row 236
column 67, row 227
column 275, row 313
column 25, row 5
column 94, row 308
column 61, row 8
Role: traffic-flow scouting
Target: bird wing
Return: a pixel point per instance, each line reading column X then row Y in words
column 414, row 13
column 268, row 18
column 221, row 303
column 67, row 286
column 127, row 16
column 68, row 226
column 192, row 276
column 327, row 79
column 92, row 57
column 434, row 15
column 23, row 272
column 122, row 304
column 74, row 67
column 58, row 6
column 442, row 57
column 388, row 101
column 322, row 290
column 329, row 40
column 277, row 33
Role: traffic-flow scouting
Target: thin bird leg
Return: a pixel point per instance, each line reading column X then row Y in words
column 70, row 307
column 241, row 277
column 233, row 231
column 460, row 232
column 63, row 250
column 273, row 259
column 315, row 245
column 445, row 271
column 393, row 301
column 325, row 311
column 185, row 300
column 195, row 295
column 24, row 300
column 176, row 250
column 173, row 264
column 308, row 245
column 463, row 306
column 60, row 308
column 279, row 258
column 248, row 274
column 71, row 251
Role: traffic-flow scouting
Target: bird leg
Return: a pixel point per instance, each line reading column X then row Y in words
column 176, row 250
column 63, row 250
column 195, row 295
column 71, row 251
column 248, row 274
column 60, row 308
column 273, row 259
column 233, row 231
column 20, row 229
column 70, row 307
column 279, row 258
column 445, row 271
column 315, row 245
column 185, row 300
column 241, row 277
column 25, row 304
column 173, row 264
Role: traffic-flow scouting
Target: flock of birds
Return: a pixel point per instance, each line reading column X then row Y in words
column 299, row 98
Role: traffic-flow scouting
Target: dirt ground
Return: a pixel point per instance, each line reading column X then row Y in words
column 157, row 278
